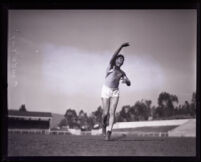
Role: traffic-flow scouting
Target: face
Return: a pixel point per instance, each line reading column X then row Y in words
column 119, row 61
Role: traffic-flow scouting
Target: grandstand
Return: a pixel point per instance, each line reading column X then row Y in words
column 29, row 121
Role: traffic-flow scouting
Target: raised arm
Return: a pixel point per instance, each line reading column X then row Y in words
column 117, row 52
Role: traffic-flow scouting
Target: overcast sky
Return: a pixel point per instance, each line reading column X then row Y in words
column 57, row 58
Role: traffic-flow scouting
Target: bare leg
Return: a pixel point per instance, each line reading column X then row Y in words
column 106, row 106
column 113, row 106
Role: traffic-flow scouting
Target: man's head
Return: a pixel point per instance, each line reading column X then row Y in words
column 119, row 60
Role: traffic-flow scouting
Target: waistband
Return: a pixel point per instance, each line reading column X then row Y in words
column 113, row 89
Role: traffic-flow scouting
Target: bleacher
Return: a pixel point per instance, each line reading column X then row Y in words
column 29, row 121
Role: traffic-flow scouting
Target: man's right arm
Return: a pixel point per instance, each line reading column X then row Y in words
column 117, row 52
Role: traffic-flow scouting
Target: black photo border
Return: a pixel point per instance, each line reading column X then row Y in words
column 88, row 4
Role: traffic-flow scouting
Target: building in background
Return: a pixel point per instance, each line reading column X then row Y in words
column 29, row 121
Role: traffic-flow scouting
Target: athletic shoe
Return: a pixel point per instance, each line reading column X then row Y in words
column 108, row 135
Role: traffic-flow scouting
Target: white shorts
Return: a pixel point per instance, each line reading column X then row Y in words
column 109, row 92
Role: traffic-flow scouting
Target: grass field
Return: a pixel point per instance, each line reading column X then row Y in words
column 87, row 145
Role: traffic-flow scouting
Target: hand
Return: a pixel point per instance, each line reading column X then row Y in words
column 125, row 44
column 128, row 83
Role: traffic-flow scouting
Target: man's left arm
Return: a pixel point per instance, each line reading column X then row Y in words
column 126, row 80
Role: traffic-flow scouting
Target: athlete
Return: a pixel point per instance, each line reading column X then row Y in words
column 110, row 90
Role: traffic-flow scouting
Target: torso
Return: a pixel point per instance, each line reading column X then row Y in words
column 113, row 77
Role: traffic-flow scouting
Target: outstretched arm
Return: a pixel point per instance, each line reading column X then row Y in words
column 116, row 53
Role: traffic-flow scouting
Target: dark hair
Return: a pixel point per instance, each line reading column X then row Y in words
column 120, row 56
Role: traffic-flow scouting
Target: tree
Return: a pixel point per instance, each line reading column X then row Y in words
column 81, row 113
column 143, row 110
column 140, row 111
column 174, row 99
column 117, row 117
column 124, row 114
column 63, row 122
column 90, row 121
column 163, row 99
column 148, row 104
column 165, row 102
column 22, row 108
column 98, row 115
column 71, row 117
column 83, row 120
column 158, row 113
column 134, row 113
column 154, row 112
column 193, row 105
column 186, row 108
column 193, row 100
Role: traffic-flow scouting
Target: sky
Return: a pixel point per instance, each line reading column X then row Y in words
column 57, row 59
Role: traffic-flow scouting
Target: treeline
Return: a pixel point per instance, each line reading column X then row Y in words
column 167, row 108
